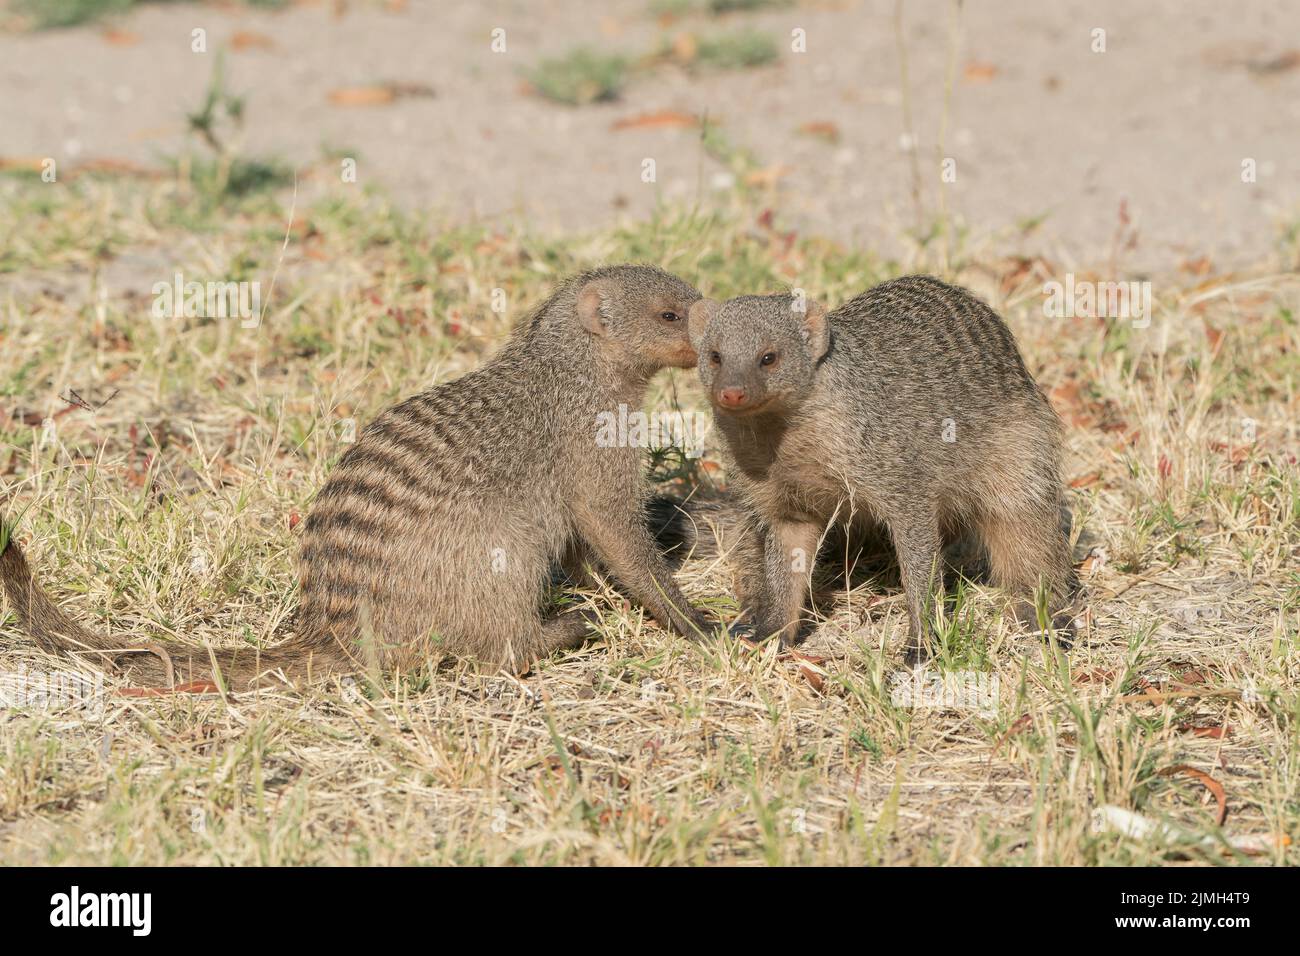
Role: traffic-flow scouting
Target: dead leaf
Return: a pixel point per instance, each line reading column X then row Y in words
column 1199, row 730
column 1214, row 337
column 301, row 228
column 814, row 676
column 1278, row 64
column 1086, row 481
column 1099, row 676
column 977, row 72
column 1016, row 271
column 32, row 164
column 1210, row 783
column 1090, row 564
column 1067, row 392
column 685, row 48
column 362, row 96
column 768, row 176
column 663, row 118
column 251, row 40
column 379, row 95
column 120, row 37
column 822, row 129
column 793, row 655
column 114, row 167
column 1020, row 723
column 411, row 90
column 1153, row 696
column 118, row 373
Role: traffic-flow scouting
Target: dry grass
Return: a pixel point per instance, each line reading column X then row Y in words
column 169, row 511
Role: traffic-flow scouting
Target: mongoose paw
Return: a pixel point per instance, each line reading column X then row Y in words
column 1062, row 628
column 743, row 631
column 1064, row 631
column 697, row 627
column 754, row 635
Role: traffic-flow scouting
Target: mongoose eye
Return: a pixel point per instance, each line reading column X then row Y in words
column 768, row 359
column 715, row 358
column 670, row 316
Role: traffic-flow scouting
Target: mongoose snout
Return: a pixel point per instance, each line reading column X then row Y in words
column 908, row 407
column 765, row 359
column 733, row 398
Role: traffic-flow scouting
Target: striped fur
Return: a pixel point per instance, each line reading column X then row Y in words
column 437, row 532
column 909, row 406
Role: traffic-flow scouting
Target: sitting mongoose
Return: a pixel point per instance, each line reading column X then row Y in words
column 909, row 406
column 440, row 528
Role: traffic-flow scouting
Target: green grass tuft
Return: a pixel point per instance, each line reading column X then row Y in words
column 582, row 76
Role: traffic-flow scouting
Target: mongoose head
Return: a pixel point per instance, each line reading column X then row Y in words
column 639, row 313
column 758, row 352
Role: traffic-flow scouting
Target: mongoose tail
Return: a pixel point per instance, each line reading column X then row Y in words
column 145, row 662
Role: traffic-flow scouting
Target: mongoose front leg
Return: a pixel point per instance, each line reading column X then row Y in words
column 917, row 544
column 622, row 542
column 789, row 551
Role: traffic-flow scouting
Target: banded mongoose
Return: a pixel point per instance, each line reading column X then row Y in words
column 909, row 406
column 440, row 528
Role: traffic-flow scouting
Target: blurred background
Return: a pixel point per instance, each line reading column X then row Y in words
column 1150, row 137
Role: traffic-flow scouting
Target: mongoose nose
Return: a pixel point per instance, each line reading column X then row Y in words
column 731, row 397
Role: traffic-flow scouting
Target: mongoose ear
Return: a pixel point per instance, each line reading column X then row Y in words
column 697, row 319
column 816, row 331
column 591, row 311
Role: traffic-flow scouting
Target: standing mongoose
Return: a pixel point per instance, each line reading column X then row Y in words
column 909, row 406
column 440, row 528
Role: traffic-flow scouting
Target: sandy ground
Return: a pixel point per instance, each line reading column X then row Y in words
column 1040, row 125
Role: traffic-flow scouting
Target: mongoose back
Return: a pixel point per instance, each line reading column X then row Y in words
column 439, row 529
column 909, row 406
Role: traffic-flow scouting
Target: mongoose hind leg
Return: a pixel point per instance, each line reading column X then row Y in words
column 540, row 638
column 565, row 632
column 1028, row 552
